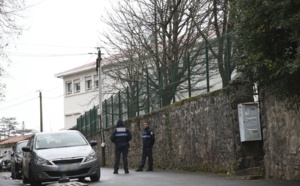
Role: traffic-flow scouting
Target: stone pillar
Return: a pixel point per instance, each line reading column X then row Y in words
column 250, row 153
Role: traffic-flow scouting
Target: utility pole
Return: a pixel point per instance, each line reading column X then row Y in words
column 99, row 70
column 41, row 112
column 23, row 128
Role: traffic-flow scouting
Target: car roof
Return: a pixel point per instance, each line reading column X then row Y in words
column 57, row 132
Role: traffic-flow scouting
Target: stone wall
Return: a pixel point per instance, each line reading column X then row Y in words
column 202, row 133
column 281, row 133
column 199, row 133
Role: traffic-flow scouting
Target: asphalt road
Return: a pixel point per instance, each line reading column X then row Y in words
column 161, row 178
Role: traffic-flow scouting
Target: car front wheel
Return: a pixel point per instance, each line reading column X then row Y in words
column 96, row 177
column 32, row 181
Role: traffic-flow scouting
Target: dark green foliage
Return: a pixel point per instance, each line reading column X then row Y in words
column 268, row 38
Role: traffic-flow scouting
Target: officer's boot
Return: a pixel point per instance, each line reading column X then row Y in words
column 116, row 171
column 126, row 171
column 140, row 169
column 150, row 169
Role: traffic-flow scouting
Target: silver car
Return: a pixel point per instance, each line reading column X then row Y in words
column 16, row 159
column 59, row 156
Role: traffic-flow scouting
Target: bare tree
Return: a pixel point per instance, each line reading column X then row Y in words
column 7, row 126
column 153, row 39
column 9, row 28
column 214, row 25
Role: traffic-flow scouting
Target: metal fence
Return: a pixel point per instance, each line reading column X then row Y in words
column 200, row 73
column 88, row 124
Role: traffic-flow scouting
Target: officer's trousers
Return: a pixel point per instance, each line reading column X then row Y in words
column 124, row 151
column 147, row 152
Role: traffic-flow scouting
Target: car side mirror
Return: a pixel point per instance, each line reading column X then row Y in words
column 26, row 149
column 93, row 143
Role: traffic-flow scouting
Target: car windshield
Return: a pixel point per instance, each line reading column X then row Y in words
column 20, row 146
column 58, row 140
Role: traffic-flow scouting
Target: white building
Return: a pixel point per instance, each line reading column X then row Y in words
column 80, row 92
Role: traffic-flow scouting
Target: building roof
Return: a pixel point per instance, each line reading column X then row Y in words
column 87, row 66
column 15, row 139
column 81, row 68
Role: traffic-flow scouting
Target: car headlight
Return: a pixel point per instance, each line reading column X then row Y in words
column 91, row 157
column 41, row 161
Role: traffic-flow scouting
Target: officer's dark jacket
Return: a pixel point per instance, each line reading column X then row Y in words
column 148, row 137
column 120, row 135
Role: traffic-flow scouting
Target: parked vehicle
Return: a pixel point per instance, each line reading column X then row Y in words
column 59, row 156
column 16, row 159
column 5, row 156
column 5, row 165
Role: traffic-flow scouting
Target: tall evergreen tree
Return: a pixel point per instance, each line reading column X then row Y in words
column 268, row 42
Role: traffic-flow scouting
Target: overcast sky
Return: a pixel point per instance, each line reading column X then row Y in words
column 58, row 36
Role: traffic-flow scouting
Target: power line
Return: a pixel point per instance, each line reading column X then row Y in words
column 53, row 97
column 54, row 46
column 48, row 55
column 18, row 103
column 50, row 89
column 44, row 91
column 14, row 99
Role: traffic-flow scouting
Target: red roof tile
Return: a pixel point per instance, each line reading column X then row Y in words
column 15, row 139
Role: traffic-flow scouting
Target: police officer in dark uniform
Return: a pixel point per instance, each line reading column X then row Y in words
column 148, row 142
column 121, row 137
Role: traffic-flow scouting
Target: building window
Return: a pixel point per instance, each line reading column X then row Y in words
column 96, row 84
column 88, row 83
column 69, row 87
column 77, row 85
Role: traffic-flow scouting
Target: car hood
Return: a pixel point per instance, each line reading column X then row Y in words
column 65, row 152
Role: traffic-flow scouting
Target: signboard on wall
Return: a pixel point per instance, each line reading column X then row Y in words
column 249, row 122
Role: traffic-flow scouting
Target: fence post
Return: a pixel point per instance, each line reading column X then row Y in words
column 160, row 87
column 228, row 57
column 172, row 74
column 90, row 123
column 106, row 114
column 128, row 107
column 120, row 107
column 207, row 66
column 85, row 124
column 148, row 93
column 112, row 110
column 79, row 121
column 101, row 116
column 137, row 99
column 189, row 74
column 82, row 124
column 94, row 120
column 95, row 129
